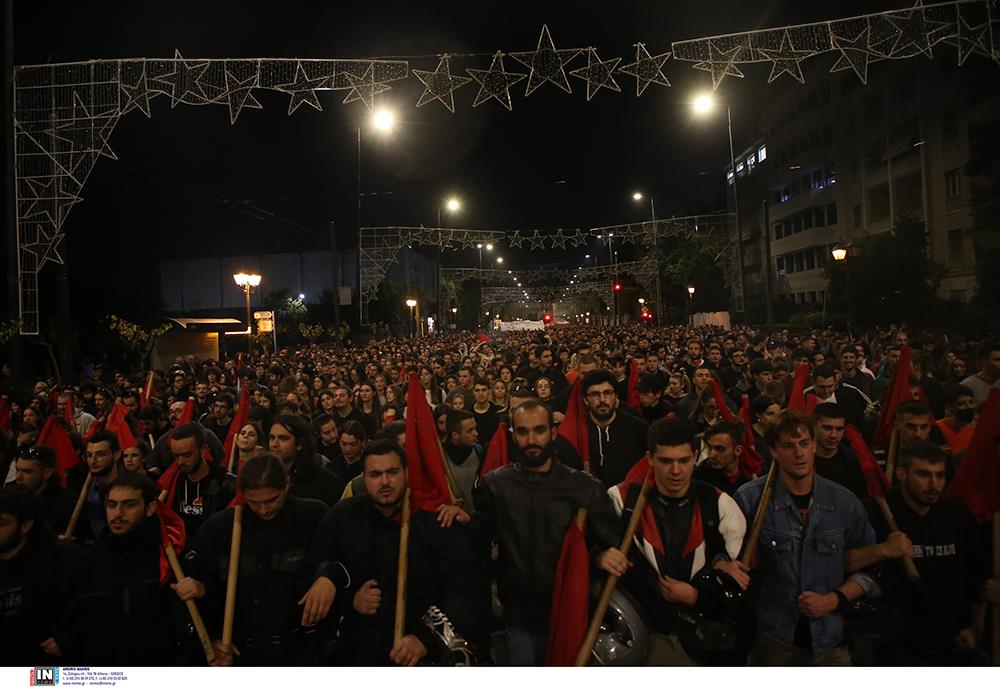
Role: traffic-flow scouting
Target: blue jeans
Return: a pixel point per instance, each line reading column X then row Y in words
column 525, row 648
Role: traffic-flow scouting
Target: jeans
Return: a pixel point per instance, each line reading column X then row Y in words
column 766, row 652
column 526, row 648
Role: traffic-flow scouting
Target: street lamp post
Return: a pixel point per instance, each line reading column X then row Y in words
column 637, row 196
column 690, row 306
column 840, row 256
column 383, row 121
column 704, row 104
column 247, row 282
column 411, row 303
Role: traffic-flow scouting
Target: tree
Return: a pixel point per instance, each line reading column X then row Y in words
column 137, row 339
column 288, row 312
column 693, row 262
column 985, row 207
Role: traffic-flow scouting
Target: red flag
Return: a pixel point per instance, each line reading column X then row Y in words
column 172, row 534
column 720, row 400
column 147, row 391
column 239, row 419
column 633, row 387
column 574, row 426
column 648, row 531
column 797, row 398
column 56, row 438
column 570, row 600
column 96, row 427
column 977, row 480
column 898, row 391
column 53, row 398
column 482, row 337
column 68, row 411
column 5, row 413
column 496, row 452
column 750, row 460
column 116, row 423
column 875, row 478
column 425, row 461
column 187, row 415
column 240, row 499
column 168, row 482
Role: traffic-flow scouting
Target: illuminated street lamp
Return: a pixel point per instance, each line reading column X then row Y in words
column 839, row 254
column 411, row 303
column 247, row 282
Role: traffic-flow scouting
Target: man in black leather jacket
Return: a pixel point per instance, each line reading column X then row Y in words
column 527, row 508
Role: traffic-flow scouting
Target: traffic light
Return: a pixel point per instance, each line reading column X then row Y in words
column 617, row 287
column 547, row 317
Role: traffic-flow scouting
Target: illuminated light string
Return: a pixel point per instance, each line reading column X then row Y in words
column 65, row 113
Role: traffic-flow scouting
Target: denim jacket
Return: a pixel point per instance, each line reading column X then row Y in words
column 792, row 559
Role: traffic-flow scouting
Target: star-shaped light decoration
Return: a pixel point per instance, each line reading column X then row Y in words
column 971, row 38
column 786, row 59
column 45, row 247
column 494, row 82
column 184, row 80
column 559, row 239
column 598, row 74
column 546, row 63
column 365, row 87
column 646, row 69
column 854, row 54
column 516, row 240
column 136, row 95
column 240, row 94
column 536, row 240
column 580, row 238
column 440, row 84
column 913, row 30
column 303, row 89
column 720, row 63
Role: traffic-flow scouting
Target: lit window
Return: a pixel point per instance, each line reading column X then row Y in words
column 750, row 163
column 739, row 168
column 729, row 177
column 762, row 154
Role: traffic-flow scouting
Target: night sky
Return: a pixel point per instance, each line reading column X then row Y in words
column 186, row 183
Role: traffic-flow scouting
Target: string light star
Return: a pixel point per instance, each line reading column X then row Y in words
column 184, row 80
column 45, row 247
column 494, row 82
column 646, row 69
column 537, row 241
column 598, row 74
column 302, row 89
column 559, row 239
column 546, row 63
column 912, row 31
column 365, row 87
column 136, row 96
column 971, row 39
column 786, row 59
column 516, row 240
column 240, row 94
column 440, row 84
column 720, row 63
column 854, row 54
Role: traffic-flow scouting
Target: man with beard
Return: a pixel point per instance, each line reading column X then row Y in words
column 221, row 417
column 546, row 369
column 82, row 420
column 828, row 389
column 329, row 437
column 347, row 464
column 835, row 459
column 203, row 487
column 724, row 441
column 617, row 439
column 35, row 468
column 731, row 375
column 957, row 426
column 202, row 401
column 527, row 507
column 344, row 412
column 119, row 614
column 357, row 545
column 101, row 455
column 849, row 372
column 937, row 610
column 274, row 623
column 32, row 564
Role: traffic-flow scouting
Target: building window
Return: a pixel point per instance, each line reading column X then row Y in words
column 729, row 177
column 831, row 214
column 751, row 163
column 778, row 231
column 807, row 220
column 831, row 176
column 817, row 179
column 762, row 154
column 951, row 187
column 739, row 168
column 956, row 253
column 797, row 224
column 780, row 265
column 810, row 260
column 819, row 217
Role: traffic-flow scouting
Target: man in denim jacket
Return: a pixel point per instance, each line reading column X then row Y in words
column 799, row 582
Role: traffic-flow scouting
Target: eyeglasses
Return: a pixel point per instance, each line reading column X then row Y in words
column 594, row 395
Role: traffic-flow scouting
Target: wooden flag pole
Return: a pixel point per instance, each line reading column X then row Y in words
column 908, row 565
column 199, row 624
column 404, row 547
column 78, row 508
column 583, row 656
column 234, row 569
column 890, row 456
column 232, row 454
column 751, row 540
column 995, row 651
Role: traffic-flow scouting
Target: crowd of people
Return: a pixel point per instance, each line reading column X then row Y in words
column 758, row 537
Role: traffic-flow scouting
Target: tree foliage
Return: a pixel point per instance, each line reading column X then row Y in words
column 137, row 339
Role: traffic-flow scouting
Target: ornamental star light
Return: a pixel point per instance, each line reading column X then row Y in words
column 598, row 74
column 646, row 69
column 494, row 82
column 546, row 63
column 440, row 84
column 537, row 241
column 137, row 95
column 240, row 95
column 786, row 59
column 971, row 39
column 184, row 79
column 516, row 240
column 854, row 54
column 559, row 239
column 720, row 63
column 912, row 30
column 365, row 87
column 45, row 247
column 303, row 89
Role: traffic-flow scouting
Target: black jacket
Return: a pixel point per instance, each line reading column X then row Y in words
column 200, row 500
column 274, row 573
column 851, row 400
column 119, row 613
column 317, row 482
column 615, row 449
column 528, row 514
column 355, row 543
